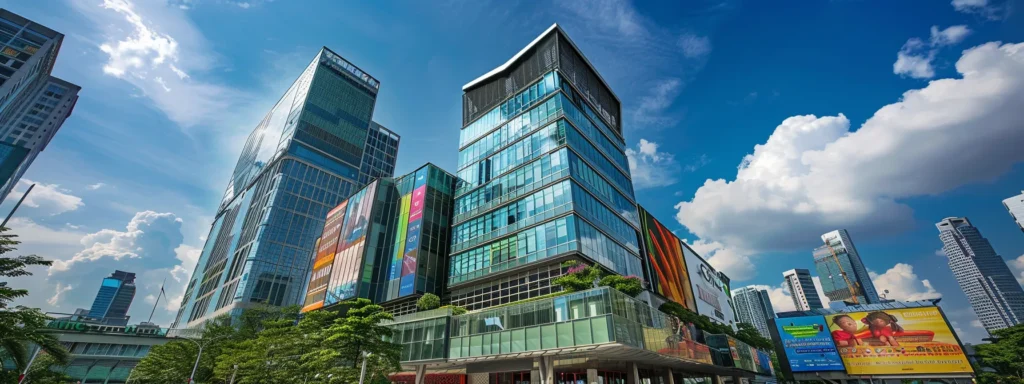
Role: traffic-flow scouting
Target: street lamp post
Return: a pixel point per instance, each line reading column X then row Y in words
column 199, row 355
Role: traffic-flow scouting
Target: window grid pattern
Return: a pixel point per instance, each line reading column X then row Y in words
column 519, row 286
column 538, row 243
column 511, row 107
column 529, row 210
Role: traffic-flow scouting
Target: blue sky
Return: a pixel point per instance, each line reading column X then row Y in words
column 748, row 123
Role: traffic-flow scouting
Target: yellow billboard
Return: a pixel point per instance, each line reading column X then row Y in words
column 897, row 342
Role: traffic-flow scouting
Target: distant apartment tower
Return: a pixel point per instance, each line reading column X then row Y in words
column 316, row 147
column 991, row 288
column 1015, row 205
column 843, row 275
column 33, row 104
column 754, row 307
column 114, row 298
column 801, row 289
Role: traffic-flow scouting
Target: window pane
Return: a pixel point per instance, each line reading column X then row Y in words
column 581, row 328
column 549, row 338
column 518, row 340
column 533, row 339
column 565, row 338
column 600, row 330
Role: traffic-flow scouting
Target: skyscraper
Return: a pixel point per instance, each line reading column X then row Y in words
column 315, row 148
column 991, row 288
column 114, row 298
column 33, row 104
column 544, row 177
column 843, row 275
column 754, row 307
column 802, row 290
column 1015, row 205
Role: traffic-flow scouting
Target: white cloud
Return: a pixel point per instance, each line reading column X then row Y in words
column 903, row 284
column 698, row 164
column 977, row 323
column 153, row 46
column 617, row 16
column 949, row 36
column 814, row 173
column 652, row 107
column 243, row 5
column 915, row 57
column 49, row 199
column 694, row 46
column 979, row 7
column 137, row 238
column 93, row 187
column 650, row 168
column 1017, row 265
column 29, row 231
column 61, row 288
column 782, row 298
column 733, row 262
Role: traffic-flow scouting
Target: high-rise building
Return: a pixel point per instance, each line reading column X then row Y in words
column 543, row 177
column 1015, row 205
column 843, row 275
column 802, row 290
column 312, row 150
column 991, row 288
column 114, row 298
column 388, row 243
column 754, row 307
column 33, row 104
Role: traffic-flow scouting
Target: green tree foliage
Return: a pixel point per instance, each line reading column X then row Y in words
column 21, row 326
column 348, row 338
column 456, row 310
column 630, row 285
column 577, row 277
column 1005, row 355
column 748, row 334
column 428, row 301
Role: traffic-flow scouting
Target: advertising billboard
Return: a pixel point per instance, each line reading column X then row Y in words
column 711, row 293
column 666, row 267
column 323, row 257
column 764, row 363
column 349, row 257
column 897, row 341
column 807, row 345
column 412, row 237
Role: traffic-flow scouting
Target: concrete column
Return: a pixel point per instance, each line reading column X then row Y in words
column 547, row 369
column 668, row 377
column 736, row 380
column 421, row 374
column 591, row 376
column 633, row 376
column 715, row 379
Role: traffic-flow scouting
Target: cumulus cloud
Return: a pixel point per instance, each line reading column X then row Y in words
column 979, row 7
column 61, row 288
column 153, row 46
column 1017, row 266
column 48, row 199
column 903, row 284
column 146, row 232
column 915, row 57
column 694, row 46
column 782, row 298
column 815, row 173
column 649, row 167
column 732, row 261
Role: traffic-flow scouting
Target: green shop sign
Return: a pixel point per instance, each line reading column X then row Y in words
column 65, row 325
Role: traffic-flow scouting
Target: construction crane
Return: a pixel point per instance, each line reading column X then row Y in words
column 849, row 285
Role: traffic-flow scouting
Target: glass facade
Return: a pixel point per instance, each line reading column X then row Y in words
column 307, row 155
column 113, row 298
column 386, row 242
column 543, row 177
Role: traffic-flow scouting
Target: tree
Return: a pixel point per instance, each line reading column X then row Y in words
column 273, row 355
column 578, row 276
column 456, row 310
column 21, row 326
column 349, row 338
column 630, row 285
column 1004, row 354
column 428, row 301
column 748, row 334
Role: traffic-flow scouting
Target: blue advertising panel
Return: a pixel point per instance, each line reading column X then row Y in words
column 808, row 344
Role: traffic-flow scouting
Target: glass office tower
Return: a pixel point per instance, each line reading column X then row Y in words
column 543, row 177
column 33, row 104
column 388, row 243
column 307, row 155
column 114, row 298
column 842, row 272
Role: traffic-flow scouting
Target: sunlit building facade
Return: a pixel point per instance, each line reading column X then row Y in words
column 307, row 155
column 543, row 178
column 841, row 270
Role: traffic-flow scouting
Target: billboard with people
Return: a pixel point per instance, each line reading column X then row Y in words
column 807, row 345
column 897, row 341
column 666, row 266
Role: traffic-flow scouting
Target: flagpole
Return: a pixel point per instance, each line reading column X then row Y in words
column 157, row 301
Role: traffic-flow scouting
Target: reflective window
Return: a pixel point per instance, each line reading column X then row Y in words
column 537, row 243
column 512, row 107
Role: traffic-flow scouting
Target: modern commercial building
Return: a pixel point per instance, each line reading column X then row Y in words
column 543, row 178
column 315, row 148
column 991, row 288
column 388, row 243
column 1015, row 205
column 103, row 353
column 754, row 307
column 33, row 104
column 801, row 289
column 843, row 275
column 113, row 299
